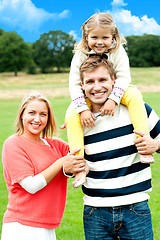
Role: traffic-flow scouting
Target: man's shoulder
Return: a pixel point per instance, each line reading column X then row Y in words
column 148, row 109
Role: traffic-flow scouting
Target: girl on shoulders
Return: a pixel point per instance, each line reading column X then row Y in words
column 101, row 36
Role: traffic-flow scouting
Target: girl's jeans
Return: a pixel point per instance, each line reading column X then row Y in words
column 130, row 222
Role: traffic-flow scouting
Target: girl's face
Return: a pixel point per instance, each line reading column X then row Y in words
column 99, row 39
column 34, row 119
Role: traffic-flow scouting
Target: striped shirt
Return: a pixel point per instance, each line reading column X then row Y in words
column 116, row 176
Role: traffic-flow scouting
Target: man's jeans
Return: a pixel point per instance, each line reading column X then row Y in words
column 130, row 222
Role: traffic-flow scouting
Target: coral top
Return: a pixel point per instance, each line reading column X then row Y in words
column 22, row 158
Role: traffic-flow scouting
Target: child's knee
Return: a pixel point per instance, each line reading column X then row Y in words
column 133, row 92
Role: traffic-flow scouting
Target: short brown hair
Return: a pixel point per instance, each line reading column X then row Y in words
column 94, row 62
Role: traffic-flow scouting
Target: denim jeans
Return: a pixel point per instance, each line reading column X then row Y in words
column 130, row 222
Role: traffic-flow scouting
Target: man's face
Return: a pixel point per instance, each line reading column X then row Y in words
column 97, row 85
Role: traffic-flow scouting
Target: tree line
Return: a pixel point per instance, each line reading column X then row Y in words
column 54, row 50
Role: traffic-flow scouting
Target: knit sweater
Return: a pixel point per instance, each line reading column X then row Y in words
column 116, row 176
column 22, row 158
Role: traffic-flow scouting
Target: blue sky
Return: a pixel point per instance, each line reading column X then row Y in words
column 31, row 18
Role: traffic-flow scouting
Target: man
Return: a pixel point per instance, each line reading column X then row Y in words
column 117, row 186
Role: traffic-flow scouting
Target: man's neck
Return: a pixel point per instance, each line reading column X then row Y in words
column 96, row 108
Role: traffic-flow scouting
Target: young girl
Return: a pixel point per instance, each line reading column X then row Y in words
column 32, row 164
column 101, row 36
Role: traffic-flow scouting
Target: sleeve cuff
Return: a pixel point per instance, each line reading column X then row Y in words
column 67, row 174
column 81, row 109
column 80, row 104
column 115, row 98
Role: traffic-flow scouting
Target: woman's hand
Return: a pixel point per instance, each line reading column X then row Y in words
column 73, row 164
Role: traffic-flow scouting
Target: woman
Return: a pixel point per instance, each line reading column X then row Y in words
column 33, row 162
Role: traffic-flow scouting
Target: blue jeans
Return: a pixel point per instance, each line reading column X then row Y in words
column 130, row 222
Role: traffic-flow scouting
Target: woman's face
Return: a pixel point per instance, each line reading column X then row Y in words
column 34, row 118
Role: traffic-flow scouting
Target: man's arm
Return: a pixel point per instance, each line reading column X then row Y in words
column 145, row 144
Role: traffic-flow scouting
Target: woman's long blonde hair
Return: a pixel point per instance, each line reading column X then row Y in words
column 51, row 127
column 103, row 20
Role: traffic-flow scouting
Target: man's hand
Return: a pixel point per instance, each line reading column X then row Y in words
column 145, row 144
column 74, row 164
column 108, row 108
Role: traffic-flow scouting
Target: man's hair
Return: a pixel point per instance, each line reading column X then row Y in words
column 93, row 62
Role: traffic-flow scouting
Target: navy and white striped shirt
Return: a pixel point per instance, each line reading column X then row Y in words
column 116, row 176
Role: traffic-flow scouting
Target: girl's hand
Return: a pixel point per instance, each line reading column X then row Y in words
column 108, row 108
column 87, row 119
column 63, row 126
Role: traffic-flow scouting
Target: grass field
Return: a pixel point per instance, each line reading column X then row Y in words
column 71, row 227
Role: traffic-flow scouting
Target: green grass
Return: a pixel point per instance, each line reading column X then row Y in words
column 9, row 82
column 153, row 100
column 71, row 227
column 145, row 76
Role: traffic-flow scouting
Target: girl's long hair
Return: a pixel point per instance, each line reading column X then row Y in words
column 104, row 20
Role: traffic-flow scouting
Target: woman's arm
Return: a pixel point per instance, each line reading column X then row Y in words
column 33, row 184
column 72, row 164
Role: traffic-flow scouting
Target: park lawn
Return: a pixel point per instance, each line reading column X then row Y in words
column 146, row 76
column 142, row 76
column 71, row 227
column 37, row 81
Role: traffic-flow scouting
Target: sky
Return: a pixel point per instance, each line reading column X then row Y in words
column 31, row 18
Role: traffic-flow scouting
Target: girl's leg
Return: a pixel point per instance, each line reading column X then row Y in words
column 132, row 98
column 75, row 140
column 74, row 130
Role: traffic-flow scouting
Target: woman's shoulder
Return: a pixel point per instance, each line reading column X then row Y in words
column 12, row 142
column 12, row 139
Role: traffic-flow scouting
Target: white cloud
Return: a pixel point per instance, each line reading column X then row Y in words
column 129, row 24
column 117, row 3
column 64, row 14
column 24, row 15
column 74, row 34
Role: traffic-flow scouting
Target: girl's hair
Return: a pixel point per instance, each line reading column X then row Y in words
column 103, row 20
column 93, row 62
column 51, row 127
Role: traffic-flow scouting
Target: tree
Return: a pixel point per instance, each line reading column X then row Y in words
column 53, row 49
column 15, row 54
column 143, row 51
